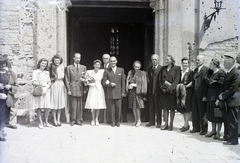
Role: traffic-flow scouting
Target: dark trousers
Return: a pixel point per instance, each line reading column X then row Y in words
column 102, row 115
column 154, row 107
column 115, row 106
column 198, row 112
column 230, row 120
column 75, row 109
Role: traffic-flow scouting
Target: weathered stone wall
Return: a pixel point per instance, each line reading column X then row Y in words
column 222, row 37
column 29, row 31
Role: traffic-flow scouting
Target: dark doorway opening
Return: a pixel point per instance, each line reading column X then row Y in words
column 90, row 32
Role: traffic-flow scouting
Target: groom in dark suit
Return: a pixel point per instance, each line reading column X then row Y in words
column 75, row 89
column 198, row 107
column 154, row 92
column 114, row 80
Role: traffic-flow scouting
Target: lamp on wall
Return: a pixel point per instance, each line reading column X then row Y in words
column 208, row 19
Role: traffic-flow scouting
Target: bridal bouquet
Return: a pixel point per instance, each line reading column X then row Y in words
column 87, row 79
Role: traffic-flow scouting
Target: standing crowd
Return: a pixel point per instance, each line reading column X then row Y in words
column 201, row 95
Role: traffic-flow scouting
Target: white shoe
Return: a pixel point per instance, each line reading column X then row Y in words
column 92, row 123
column 97, row 123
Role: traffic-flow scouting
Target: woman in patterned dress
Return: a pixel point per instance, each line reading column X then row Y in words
column 96, row 97
column 136, row 86
column 41, row 78
column 58, row 91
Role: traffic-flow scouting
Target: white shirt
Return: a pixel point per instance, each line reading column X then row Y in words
column 183, row 73
column 230, row 69
column 114, row 69
column 199, row 68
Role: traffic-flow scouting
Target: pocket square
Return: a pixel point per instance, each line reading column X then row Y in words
column 119, row 74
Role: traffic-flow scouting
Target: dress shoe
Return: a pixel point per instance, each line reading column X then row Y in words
column 229, row 143
column 97, row 123
column 46, row 124
column 59, row 124
column 55, row 125
column 92, row 123
column 158, row 126
column 118, row 124
column 12, row 126
column 203, row 133
column 210, row 134
column 113, row 125
column 149, row 124
column 217, row 137
column 72, row 123
column 170, row 128
column 194, row 131
column 40, row 126
column 2, row 139
column 79, row 123
column 165, row 127
column 138, row 124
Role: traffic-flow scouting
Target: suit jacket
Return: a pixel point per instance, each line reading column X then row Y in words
column 153, row 80
column 230, row 86
column 73, row 80
column 118, row 78
column 199, row 81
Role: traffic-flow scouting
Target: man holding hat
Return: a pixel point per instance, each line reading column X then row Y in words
column 230, row 86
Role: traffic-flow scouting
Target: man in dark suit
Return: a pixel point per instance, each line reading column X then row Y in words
column 75, row 89
column 154, row 92
column 113, row 79
column 104, row 115
column 198, row 106
column 238, row 61
column 230, row 86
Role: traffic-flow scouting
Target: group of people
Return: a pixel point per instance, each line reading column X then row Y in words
column 201, row 95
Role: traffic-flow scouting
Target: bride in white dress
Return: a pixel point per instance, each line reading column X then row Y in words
column 96, row 97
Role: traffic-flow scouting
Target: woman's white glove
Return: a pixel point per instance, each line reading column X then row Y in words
column 3, row 96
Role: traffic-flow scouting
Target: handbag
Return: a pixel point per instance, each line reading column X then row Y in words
column 37, row 91
column 223, row 106
column 218, row 113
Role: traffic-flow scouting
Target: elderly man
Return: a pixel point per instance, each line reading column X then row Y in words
column 230, row 86
column 154, row 92
column 104, row 115
column 75, row 89
column 199, row 109
column 114, row 80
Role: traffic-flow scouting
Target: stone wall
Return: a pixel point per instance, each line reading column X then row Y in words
column 29, row 31
column 222, row 37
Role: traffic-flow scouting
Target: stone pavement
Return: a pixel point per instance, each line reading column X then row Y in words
column 105, row 144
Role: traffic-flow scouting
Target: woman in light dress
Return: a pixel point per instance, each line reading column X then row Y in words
column 58, row 91
column 41, row 77
column 96, row 97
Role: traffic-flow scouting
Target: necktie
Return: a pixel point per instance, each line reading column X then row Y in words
column 77, row 67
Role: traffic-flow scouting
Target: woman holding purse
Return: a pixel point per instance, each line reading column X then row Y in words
column 42, row 80
column 214, row 83
column 169, row 77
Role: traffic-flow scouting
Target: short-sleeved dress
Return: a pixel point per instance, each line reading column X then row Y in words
column 96, row 96
column 58, row 90
column 43, row 78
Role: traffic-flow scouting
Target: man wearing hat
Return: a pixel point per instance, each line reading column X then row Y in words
column 230, row 86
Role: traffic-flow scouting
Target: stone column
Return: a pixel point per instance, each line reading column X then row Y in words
column 160, row 7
